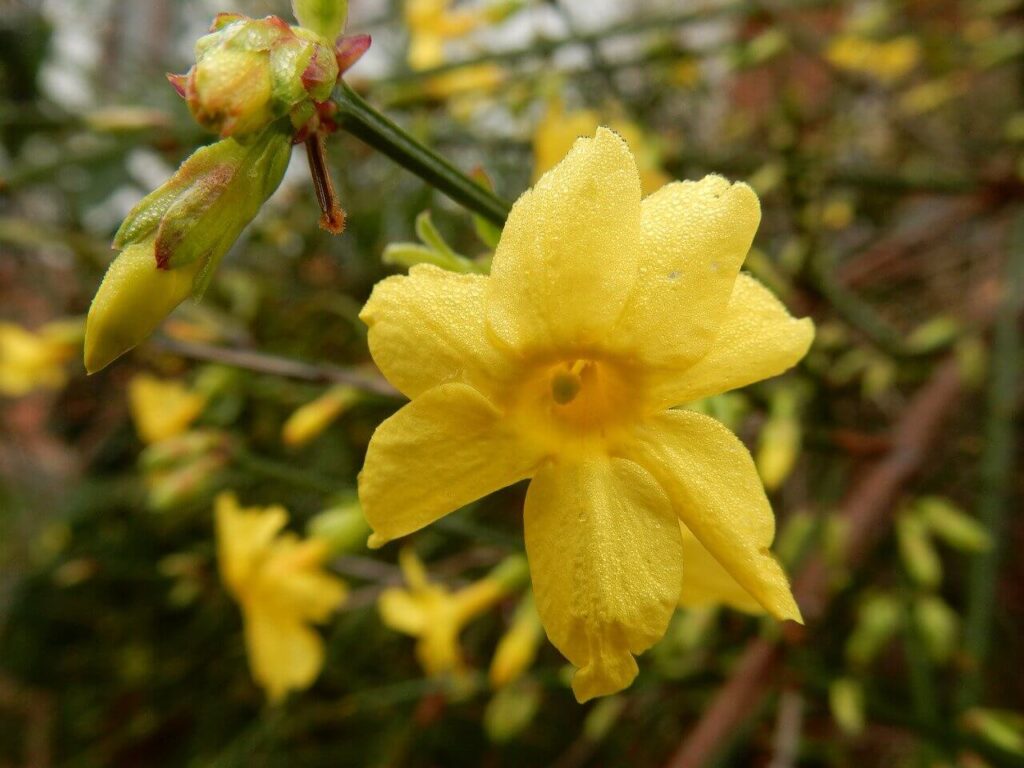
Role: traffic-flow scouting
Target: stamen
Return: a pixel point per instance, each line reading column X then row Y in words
column 565, row 384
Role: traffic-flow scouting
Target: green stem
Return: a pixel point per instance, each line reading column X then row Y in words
column 996, row 467
column 364, row 122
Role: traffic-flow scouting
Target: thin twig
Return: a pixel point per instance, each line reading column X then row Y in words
column 260, row 362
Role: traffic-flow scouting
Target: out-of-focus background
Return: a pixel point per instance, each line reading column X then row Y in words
column 886, row 142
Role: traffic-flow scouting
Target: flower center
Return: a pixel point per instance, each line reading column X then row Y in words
column 580, row 401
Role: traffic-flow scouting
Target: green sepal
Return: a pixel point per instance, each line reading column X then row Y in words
column 325, row 17
column 287, row 63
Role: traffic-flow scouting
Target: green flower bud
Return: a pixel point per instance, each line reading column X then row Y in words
column 175, row 237
column 878, row 619
column 511, row 710
column 252, row 72
column 953, row 525
column 846, row 700
column 342, row 526
column 325, row 17
column 938, row 626
column 917, row 551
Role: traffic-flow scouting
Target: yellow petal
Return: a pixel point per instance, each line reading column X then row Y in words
column 243, row 537
column 293, row 579
column 445, row 449
column 706, row 582
column 606, row 561
column 284, row 654
column 162, row 409
column 568, row 254
column 400, row 610
column 695, row 237
column 428, row 328
column 757, row 339
column 713, row 484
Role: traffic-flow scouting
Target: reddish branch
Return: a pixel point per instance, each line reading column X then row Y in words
column 866, row 510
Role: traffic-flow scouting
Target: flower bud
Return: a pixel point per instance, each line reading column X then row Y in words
column 878, row 619
column 917, row 551
column 325, row 17
column 343, row 527
column 510, row 711
column 937, row 625
column 953, row 525
column 846, row 700
column 518, row 646
column 310, row 420
column 252, row 72
column 781, row 437
column 175, row 237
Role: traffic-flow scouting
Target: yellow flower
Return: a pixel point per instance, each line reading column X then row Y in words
column 435, row 615
column 162, row 408
column 558, row 131
column 600, row 314
column 30, row 361
column 279, row 583
column 886, row 61
column 431, row 23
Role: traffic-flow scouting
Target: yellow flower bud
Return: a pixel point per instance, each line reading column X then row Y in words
column 518, row 646
column 781, row 436
column 310, row 420
column 132, row 301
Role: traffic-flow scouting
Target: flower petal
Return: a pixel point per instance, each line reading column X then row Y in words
column 400, row 610
column 428, row 328
column 284, row 654
column 695, row 237
column 568, row 254
column 445, row 449
column 757, row 339
column 606, row 561
column 706, row 582
column 244, row 537
column 710, row 478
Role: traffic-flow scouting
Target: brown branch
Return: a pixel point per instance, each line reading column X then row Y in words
column 276, row 366
column 866, row 510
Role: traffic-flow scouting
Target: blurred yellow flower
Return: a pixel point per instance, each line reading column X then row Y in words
column 36, row 360
column 558, row 130
column 886, row 61
column 600, row 314
column 435, row 615
column 279, row 582
column 431, row 23
column 465, row 81
column 162, row 408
